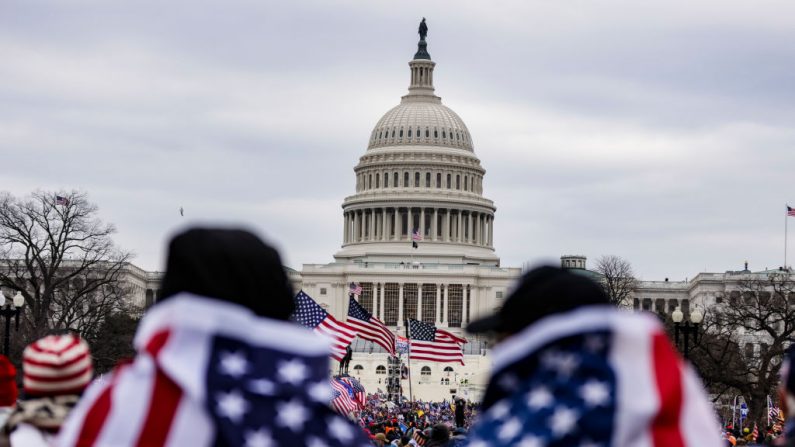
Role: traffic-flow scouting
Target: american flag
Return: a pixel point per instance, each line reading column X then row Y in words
column 415, row 237
column 342, row 400
column 598, row 377
column 755, row 433
column 210, row 373
column 60, row 200
column 355, row 289
column 790, row 211
column 309, row 313
column 401, row 344
column 428, row 343
column 359, row 394
column 369, row 327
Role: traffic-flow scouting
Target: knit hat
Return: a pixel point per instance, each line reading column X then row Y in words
column 56, row 365
column 8, row 383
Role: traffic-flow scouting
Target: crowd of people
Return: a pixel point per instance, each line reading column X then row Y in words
column 218, row 362
column 415, row 422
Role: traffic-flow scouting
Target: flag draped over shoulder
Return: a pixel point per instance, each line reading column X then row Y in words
column 208, row 372
column 369, row 327
column 428, row 343
column 309, row 313
column 594, row 376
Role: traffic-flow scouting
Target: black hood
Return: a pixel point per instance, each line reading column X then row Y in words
column 229, row 265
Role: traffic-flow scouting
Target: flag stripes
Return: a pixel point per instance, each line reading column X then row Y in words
column 369, row 327
column 434, row 345
column 309, row 313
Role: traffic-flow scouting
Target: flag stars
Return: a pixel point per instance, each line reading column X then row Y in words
column 292, row 415
column 233, row 364
column 340, row 429
column 500, row 410
column 594, row 343
column 293, row 371
column 259, row 438
column 320, row 392
column 539, row 397
column 510, row 429
column 595, row 393
column 315, row 442
column 509, row 382
column 232, row 405
column 563, row 421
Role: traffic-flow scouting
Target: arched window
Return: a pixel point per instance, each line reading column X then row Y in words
column 448, row 181
column 466, row 183
column 416, row 179
column 427, row 133
column 444, row 134
column 435, row 133
column 380, row 134
column 427, row 179
column 447, row 369
column 409, row 133
column 425, row 371
column 380, row 369
column 358, row 369
column 377, row 181
column 393, row 133
column 395, row 179
column 406, row 180
column 438, row 180
column 369, row 181
column 386, row 180
column 458, row 182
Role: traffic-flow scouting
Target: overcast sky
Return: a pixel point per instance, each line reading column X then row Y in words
column 659, row 131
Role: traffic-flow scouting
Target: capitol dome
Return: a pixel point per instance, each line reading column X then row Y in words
column 419, row 181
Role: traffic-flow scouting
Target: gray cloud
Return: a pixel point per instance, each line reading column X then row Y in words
column 659, row 131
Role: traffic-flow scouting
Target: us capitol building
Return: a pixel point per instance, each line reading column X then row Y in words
column 420, row 172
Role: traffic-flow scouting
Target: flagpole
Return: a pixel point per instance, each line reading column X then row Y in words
column 408, row 335
column 786, row 215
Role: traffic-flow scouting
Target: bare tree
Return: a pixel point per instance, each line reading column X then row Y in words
column 745, row 338
column 60, row 256
column 618, row 279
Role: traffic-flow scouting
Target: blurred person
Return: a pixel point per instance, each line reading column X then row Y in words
column 460, row 412
column 55, row 371
column 570, row 369
column 439, row 436
column 217, row 361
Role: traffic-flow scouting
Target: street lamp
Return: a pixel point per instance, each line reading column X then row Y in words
column 688, row 329
column 10, row 310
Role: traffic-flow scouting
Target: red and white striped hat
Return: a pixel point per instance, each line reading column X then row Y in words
column 56, row 365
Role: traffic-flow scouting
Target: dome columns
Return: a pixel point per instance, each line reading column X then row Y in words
column 436, row 224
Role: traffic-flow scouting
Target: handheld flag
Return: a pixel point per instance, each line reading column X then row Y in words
column 355, row 289
column 369, row 327
column 434, row 345
column 415, row 237
column 309, row 313
column 60, row 200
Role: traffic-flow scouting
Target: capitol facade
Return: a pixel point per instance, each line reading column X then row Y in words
column 420, row 175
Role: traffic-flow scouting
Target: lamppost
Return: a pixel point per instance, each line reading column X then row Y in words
column 10, row 310
column 688, row 329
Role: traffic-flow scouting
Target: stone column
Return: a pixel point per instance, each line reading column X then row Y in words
column 470, row 237
column 438, row 302
column 344, row 228
column 460, row 236
column 419, row 302
column 400, row 305
column 434, row 223
column 371, row 231
column 446, row 226
column 491, row 231
column 397, row 223
column 385, row 224
column 353, row 225
column 446, row 302
column 422, row 222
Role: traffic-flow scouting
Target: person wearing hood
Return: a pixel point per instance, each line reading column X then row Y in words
column 217, row 361
column 570, row 369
